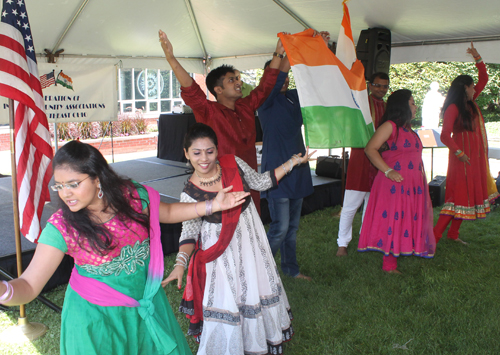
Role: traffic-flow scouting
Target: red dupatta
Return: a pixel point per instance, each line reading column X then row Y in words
column 195, row 282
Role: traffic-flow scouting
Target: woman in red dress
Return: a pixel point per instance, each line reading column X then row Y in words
column 469, row 190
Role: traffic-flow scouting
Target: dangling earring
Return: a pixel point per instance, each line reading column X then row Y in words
column 188, row 163
column 100, row 194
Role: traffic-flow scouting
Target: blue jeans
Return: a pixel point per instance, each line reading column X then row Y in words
column 282, row 234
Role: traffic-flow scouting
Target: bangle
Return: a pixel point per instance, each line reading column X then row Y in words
column 208, row 207
column 218, row 204
column 196, row 209
column 291, row 165
column 387, row 172
column 460, row 155
column 458, row 152
column 182, row 259
column 298, row 159
column 9, row 292
column 283, row 166
column 276, row 54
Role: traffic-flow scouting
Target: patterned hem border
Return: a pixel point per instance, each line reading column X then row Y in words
column 464, row 217
column 421, row 255
column 466, row 212
column 277, row 349
column 187, row 307
column 195, row 329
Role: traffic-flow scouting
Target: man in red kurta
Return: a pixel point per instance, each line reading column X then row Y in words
column 360, row 172
column 231, row 117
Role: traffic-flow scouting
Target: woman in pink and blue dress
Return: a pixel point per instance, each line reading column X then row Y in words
column 398, row 219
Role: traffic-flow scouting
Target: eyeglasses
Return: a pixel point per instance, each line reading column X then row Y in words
column 380, row 86
column 70, row 185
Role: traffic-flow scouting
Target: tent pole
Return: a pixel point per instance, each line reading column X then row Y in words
column 112, row 149
column 24, row 328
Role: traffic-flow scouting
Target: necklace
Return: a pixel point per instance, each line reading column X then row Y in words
column 211, row 180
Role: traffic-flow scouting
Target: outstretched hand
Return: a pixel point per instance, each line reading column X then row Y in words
column 226, row 200
column 307, row 157
column 176, row 274
column 167, row 47
column 473, row 51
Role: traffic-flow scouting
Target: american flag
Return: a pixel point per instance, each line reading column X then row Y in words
column 19, row 81
column 47, row 79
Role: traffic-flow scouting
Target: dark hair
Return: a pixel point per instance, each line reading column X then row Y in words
column 216, row 77
column 267, row 64
column 85, row 159
column 456, row 95
column 197, row 131
column 380, row 75
column 398, row 109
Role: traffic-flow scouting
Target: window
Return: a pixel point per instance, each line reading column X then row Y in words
column 153, row 91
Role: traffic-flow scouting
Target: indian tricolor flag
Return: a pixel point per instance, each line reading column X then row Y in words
column 64, row 80
column 333, row 94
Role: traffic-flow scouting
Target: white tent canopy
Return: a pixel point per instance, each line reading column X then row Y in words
column 243, row 32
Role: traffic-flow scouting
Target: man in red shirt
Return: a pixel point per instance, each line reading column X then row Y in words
column 360, row 172
column 231, row 116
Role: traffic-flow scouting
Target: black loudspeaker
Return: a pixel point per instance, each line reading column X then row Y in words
column 436, row 190
column 330, row 166
column 374, row 50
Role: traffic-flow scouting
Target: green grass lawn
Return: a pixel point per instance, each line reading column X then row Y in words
column 446, row 305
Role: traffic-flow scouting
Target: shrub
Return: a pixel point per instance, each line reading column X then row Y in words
column 140, row 122
column 128, row 124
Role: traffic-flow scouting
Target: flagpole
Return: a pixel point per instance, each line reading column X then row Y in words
column 24, row 330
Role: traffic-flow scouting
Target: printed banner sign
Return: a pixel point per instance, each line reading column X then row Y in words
column 75, row 93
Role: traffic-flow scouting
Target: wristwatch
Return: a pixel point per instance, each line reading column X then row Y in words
column 278, row 55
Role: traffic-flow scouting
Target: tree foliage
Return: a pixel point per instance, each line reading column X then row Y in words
column 417, row 77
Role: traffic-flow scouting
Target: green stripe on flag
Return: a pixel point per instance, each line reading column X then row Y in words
column 335, row 127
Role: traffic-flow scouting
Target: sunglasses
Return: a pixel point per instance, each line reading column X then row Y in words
column 380, row 86
column 69, row 185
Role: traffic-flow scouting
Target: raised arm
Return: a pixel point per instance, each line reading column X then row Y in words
column 382, row 134
column 278, row 54
column 180, row 73
column 481, row 68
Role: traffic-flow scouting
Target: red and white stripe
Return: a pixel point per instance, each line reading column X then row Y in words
column 19, row 81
